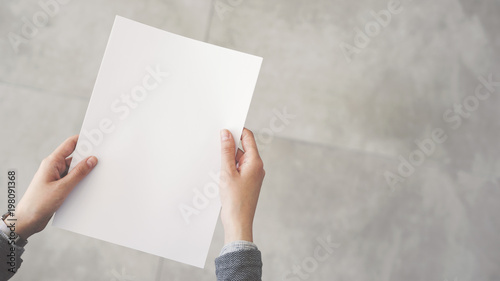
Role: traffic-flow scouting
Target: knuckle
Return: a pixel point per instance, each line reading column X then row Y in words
column 58, row 185
column 259, row 164
column 250, row 133
column 49, row 160
column 80, row 170
column 71, row 140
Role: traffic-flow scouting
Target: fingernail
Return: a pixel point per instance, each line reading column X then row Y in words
column 224, row 135
column 91, row 162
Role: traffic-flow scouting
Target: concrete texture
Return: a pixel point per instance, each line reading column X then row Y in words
column 350, row 120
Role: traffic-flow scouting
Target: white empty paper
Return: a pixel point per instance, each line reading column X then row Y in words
column 158, row 105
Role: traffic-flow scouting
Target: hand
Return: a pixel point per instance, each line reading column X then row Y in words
column 241, row 180
column 50, row 186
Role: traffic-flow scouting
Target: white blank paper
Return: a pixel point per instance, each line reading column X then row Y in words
column 158, row 105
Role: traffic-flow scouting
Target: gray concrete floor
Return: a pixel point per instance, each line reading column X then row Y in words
column 355, row 117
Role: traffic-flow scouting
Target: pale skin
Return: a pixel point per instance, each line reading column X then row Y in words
column 50, row 186
column 241, row 180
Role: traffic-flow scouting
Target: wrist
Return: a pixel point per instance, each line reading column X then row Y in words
column 22, row 231
column 20, row 226
column 10, row 228
column 238, row 233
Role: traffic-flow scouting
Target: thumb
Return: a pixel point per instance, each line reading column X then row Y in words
column 79, row 172
column 228, row 150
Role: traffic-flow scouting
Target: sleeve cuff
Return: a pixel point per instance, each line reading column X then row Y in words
column 237, row 246
column 5, row 232
column 4, row 228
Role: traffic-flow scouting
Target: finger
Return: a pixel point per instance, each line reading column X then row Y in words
column 249, row 144
column 68, row 163
column 239, row 153
column 66, row 148
column 228, row 161
column 78, row 173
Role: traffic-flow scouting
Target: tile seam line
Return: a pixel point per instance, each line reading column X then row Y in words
column 431, row 162
column 209, row 21
column 159, row 269
column 42, row 91
column 334, row 147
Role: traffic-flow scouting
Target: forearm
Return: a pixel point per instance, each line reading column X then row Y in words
column 235, row 230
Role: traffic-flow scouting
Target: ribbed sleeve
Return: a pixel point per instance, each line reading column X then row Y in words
column 5, row 251
column 244, row 265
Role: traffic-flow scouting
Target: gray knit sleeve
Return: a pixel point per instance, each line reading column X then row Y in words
column 10, row 258
column 244, row 265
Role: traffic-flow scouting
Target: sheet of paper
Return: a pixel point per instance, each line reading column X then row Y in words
column 153, row 121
